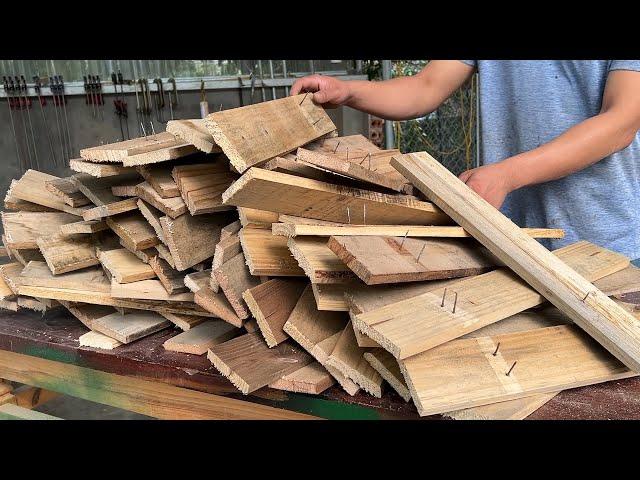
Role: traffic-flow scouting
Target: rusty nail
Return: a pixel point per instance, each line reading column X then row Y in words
column 443, row 295
column 496, row 351
column 509, row 372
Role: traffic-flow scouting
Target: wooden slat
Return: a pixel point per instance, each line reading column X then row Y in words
column 274, row 128
column 39, row 275
column 171, row 279
column 147, row 290
column 84, row 227
column 624, row 281
column 24, row 256
column 230, row 229
column 267, row 254
column 98, row 190
column 16, row 204
column 201, row 185
column 183, row 322
column 330, row 296
column 318, row 262
column 10, row 273
column 134, row 230
column 87, row 313
column 31, row 187
column 180, row 150
column 196, row 280
column 110, row 209
column 98, row 170
column 199, row 339
column 282, row 193
column 160, row 179
column 68, row 191
column 225, row 250
column 125, row 266
column 234, row 279
column 254, row 218
column 98, row 340
column 249, row 364
column 152, row 215
column 311, row 379
column 66, row 254
column 118, row 151
column 130, row 327
column 590, row 309
column 173, row 207
column 22, row 229
column 288, row 164
column 195, row 132
column 388, row 368
column 416, row 324
column 218, row 305
column 271, row 303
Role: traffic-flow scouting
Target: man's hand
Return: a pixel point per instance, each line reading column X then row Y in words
column 327, row 91
column 491, row 182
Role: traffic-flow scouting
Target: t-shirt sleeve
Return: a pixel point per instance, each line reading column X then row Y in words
column 471, row 63
column 625, row 65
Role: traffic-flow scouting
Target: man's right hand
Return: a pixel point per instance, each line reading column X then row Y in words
column 327, row 91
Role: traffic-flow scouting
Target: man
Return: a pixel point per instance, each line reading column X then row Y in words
column 559, row 138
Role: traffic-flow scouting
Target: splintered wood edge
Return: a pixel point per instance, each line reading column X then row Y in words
column 375, row 336
column 227, row 147
column 283, row 229
column 300, row 258
column 178, row 129
column 229, row 292
column 366, row 384
column 224, row 369
column 263, row 325
column 386, row 375
column 245, row 253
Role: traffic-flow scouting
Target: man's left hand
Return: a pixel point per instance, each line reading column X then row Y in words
column 491, row 182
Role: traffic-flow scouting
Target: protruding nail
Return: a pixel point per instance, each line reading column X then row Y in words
column 585, row 297
column 496, row 350
column 348, row 215
column 336, row 149
column 509, row 372
column 405, row 237
column 421, row 250
column 304, row 98
column 455, row 301
column 443, row 295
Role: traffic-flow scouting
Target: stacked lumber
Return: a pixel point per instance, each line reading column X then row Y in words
column 297, row 259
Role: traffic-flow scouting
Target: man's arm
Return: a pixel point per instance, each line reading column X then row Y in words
column 588, row 142
column 397, row 99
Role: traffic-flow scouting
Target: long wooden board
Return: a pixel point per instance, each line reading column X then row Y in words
column 312, row 379
column 31, row 187
column 282, row 193
column 197, row 340
column 183, row 322
column 110, row 209
column 124, row 266
column 234, row 279
column 271, row 303
column 130, row 327
column 152, row 215
column 254, row 218
column 84, row 227
column 66, row 254
column 118, row 151
column 173, row 207
column 22, row 229
column 171, row 279
column 250, row 364
column 180, row 150
column 133, row 229
column 160, row 179
column 612, row 326
column 387, row 366
column 98, row 170
column 267, row 254
column 379, row 260
column 201, row 185
column 195, row 132
column 98, row 190
column 330, row 296
column 147, row 290
column 98, row 340
column 253, row 134
column 67, row 191
column 39, row 275
column 318, row 262
column 419, row 323
column 624, row 281
column 218, row 305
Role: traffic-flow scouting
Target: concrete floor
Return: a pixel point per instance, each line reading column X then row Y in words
column 71, row 408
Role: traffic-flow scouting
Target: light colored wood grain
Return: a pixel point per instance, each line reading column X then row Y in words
column 173, row 207
column 160, row 179
column 380, row 260
column 171, row 279
column 132, row 228
column 152, row 215
column 196, row 280
column 199, row 339
column 180, row 150
column 225, row 250
column 192, row 240
column 218, row 305
column 98, row 340
column 87, row 313
column 10, row 273
column 254, row 218
column 67, row 191
column 124, row 190
column 16, row 204
column 38, row 274
column 118, row 151
column 31, row 187
column 388, row 368
column 290, row 229
column 6, row 293
column 66, row 254
column 271, row 303
column 22, row 229
column 234, row 279
column 253, row 134
column 147, row 290
column 41, row 305
column 618, row 283
column 165, row 254
column 84, row 227
column 98, row 190
column 249, row 364
column 183, row 322
column 130, row 327
column 311, row 379
column 110, row 209
column 201, row 185
column 230, row 230
column 318, row 262
column 98, row 170
column 125, row 266
column 24, row 256
column 588, row 307
column 330, row 296
column 291, row 195
column 195, row 132
column 289, row 165
column 416, row 324
column 267, row 254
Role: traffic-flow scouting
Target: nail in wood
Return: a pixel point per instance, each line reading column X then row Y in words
column 455, row 301
column 509, row 372
column 405, row 237
column 585, row 297
column 421, row 250
column 304, row 98
column 496, row 351
column 443, row 295
column 336, row 149
column 348, row 215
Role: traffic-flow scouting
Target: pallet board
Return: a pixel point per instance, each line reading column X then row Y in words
column 134, row 230
column 67, row 191
column 253, row 134
column 387, row 367
column 84, row 227
column 124, row 266
column 152, row 215
column 379, row 260
column 249, row 364
column 267, row 254
column 130, row 327
column 183, row 322
column 117, row 152
column 22, row 229
column 32, row 187
column 234, row 279
column 147, row 290
column 318, row 262
column 218, row 305
column 254, row 218
column 271, row 303
column 197, row 340
column 226, row 249
column 195, row 132
column 171, row 280
column 160, row 179
column 66, row 254
column 98, row 340
column 201, row 186
column 38, row 274
column 98, row 190
column 282, row 193
column 311, row 379
column 173, row 207
column 624, row 281
column 98, row 170
column 175, row 152
column 110, row 209
column 418, row 323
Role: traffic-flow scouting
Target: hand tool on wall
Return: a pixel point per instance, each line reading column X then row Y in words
column 27, row 104
column 56, row 103
column 60, row 86
column 13, row 128
column 117, row 101
column 99, row 97
column 138, row 109
column 173, row 103
column 15, row 91
column 204, row 105
column 159, row 100
column 123, row 104
column 42, row 101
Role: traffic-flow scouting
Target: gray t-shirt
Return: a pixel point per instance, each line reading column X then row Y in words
column 524, row 104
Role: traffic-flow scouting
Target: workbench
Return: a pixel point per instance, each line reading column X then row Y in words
column 43, row 351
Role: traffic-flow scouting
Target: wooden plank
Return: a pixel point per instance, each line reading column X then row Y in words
column 192, row 240
column 418, row 323
column 13, row 203
column 289, row 229
column 267, row 254
column 134, row 230
column 195, row 281
column 311, row 379
column 195, row 132
column 147, row 290
column 87, row 313
column 330, row 296
column 152, row 215
column 201, row 185
column 22, row 229
column 155, row 399
column 282, row 193
column 271, row 303
column 379, row 260
column 318, row 262
column 41, row 305
column 180, row 150
column 230, row 230
column 624, row 281
column 160, row 179
column 6, row 294
column 66, row 254
column 183, row 322
column 465, row 373
column 125, row 266
column 590, row 309
column 387, row 367
column 274, row 128
column 288, row 164
column 317, row 332
column 110, row 209
column 98, row 170
column 171, row 280
column 234, row 279
column 217, row 304
column 165, row 254
column 67, row 191
column 348, row 358
column 26, row 256
column 200, row 338
column 254, row 218
column 118, row 151
column 98, row 340
column 130, row 327
column 124, row 190
column 31, row 187
column 98, row 190
column 10, row 273
column 83, row 227
column 250, row 364
column 38, row 274
column 9, row 411
column 173, row 207
column 225, row 250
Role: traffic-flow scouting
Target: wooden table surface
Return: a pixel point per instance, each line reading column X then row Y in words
column 54, row 336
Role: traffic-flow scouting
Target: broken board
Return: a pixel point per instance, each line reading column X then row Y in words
column 130, row 327
column 318, row 262
column 197, row 340
column 234, row 279
column 267, row 254
column 124, row 266
column 66, row 254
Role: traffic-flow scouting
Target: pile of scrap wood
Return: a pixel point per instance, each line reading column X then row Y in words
column 297, row 259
